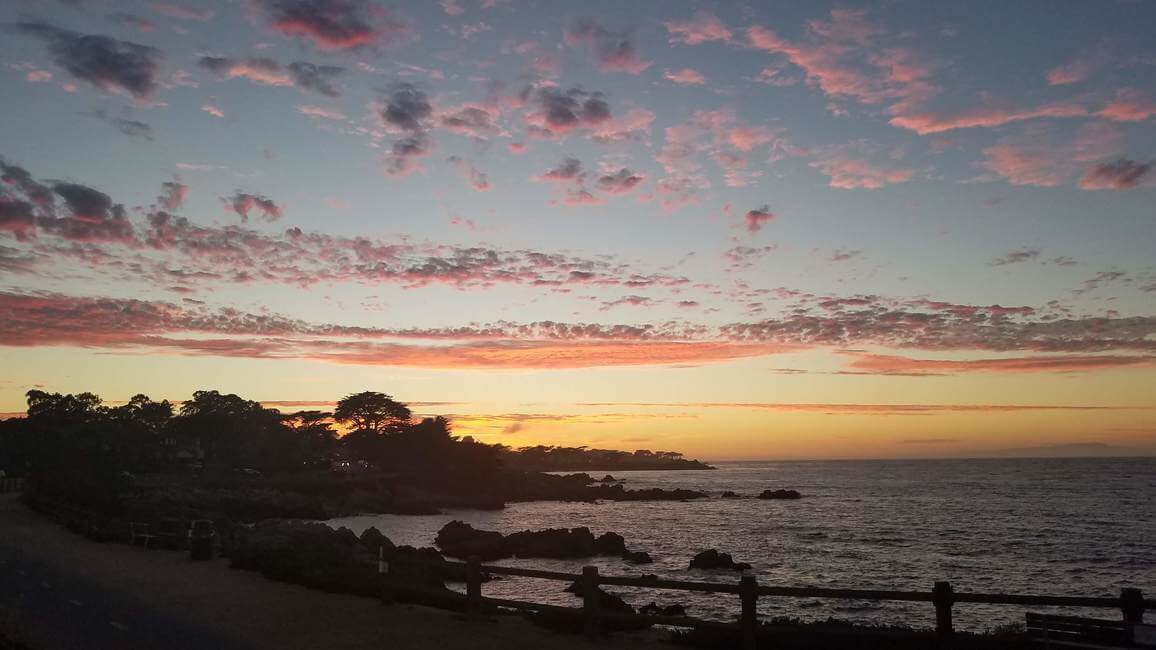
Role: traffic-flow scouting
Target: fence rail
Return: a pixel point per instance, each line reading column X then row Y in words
column 11, row 485
column 1131, row 602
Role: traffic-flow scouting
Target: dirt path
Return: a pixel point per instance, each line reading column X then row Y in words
column 117, row 596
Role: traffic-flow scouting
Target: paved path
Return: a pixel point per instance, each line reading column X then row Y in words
column 66, row 610
column 72, row 593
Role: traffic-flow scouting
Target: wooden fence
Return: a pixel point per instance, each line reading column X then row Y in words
column 11, row 485
column 1131, row 602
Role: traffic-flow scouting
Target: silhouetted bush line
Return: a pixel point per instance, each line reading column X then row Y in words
column 222, row 457
column 547, row 458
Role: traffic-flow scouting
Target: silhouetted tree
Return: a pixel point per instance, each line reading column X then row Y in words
column 70, row 451
column 376, row 412
column 137, row 431
column 239, row 432
column 314, row 432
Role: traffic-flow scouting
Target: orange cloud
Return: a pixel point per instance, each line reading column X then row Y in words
column 868, row 409
column 541, row 355
column 893, row 364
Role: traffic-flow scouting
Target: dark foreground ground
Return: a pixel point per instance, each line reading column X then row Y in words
column 62, row 591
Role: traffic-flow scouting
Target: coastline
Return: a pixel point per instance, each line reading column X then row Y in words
column 211, row 597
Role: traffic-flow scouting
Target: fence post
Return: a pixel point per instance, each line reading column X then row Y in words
column 749, row 622
column 590, row 601
column 473, row 585
column 944, row 598
column 383, row 571
column 1132, row 604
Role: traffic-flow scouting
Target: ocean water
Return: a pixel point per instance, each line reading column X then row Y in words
column 1083, row 527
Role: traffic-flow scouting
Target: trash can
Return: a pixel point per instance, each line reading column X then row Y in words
column 201, row 538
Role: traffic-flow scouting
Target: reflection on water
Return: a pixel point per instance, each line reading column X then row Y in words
column 1056, row 526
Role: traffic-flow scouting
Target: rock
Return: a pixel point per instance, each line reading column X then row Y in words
column 552, row 543
column 460, row 539
column 309, row 554
column 637, row 557
column 609, row 479
column 729, row 495
column 780, row 494
column 610, row 544
column 712, row 559
column 654, row 609
column 616, row 492
column 609, row 602
column 372, row 539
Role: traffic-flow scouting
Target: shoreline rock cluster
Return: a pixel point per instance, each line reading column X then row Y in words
column 780, row 494
column 711, row 559
column 459, row 539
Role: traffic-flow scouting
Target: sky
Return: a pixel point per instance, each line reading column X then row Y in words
column 735, row 230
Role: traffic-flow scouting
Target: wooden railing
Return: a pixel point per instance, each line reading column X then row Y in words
column 1131, row 602
column 11, row 485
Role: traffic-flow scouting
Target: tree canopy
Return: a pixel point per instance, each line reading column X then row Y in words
column 377, row 413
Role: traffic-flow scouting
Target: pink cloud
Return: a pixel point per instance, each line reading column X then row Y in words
column 258, row 70
column 320, row 112
column 1079, row 67
column 621, row 181
column 334, row 24
column 1047, row 158
column 213, row 110
column 451, row 7
column 900, row 365
column 848, row 169
column 704, row 27
column 840, row 57
column 1130, row 105
column 686, row 77
column 1118, row 174
column 757, row 218
column 982, row 116
column 243, row 203
column 478, row 180
column 579, row 196
column 173, row 195
column 38, row 76
column 614, row 51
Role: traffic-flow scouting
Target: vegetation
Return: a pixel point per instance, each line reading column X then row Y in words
column 222, row 456
column 542, row 458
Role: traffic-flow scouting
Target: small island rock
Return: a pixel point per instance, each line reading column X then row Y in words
column 780, row 494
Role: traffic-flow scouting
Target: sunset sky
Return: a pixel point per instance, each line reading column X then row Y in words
column 735, row 230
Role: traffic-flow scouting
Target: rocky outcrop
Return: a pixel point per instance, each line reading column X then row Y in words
column 530, row 486
column 729, row 495
column 618, row 493
column 317, row 556
column 460, row 539
column 780, row 494
column 309, row 554
column 654, row 609
column 637, row 557
column 712, row 559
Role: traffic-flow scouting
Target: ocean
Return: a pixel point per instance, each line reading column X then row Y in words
column 1082, row 527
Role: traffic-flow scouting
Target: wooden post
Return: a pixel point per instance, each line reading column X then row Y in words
column 749, row 622
column 590, row 601
column 473, row 585
column 383, row 575
column 943, row 597
column 1132, row 604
